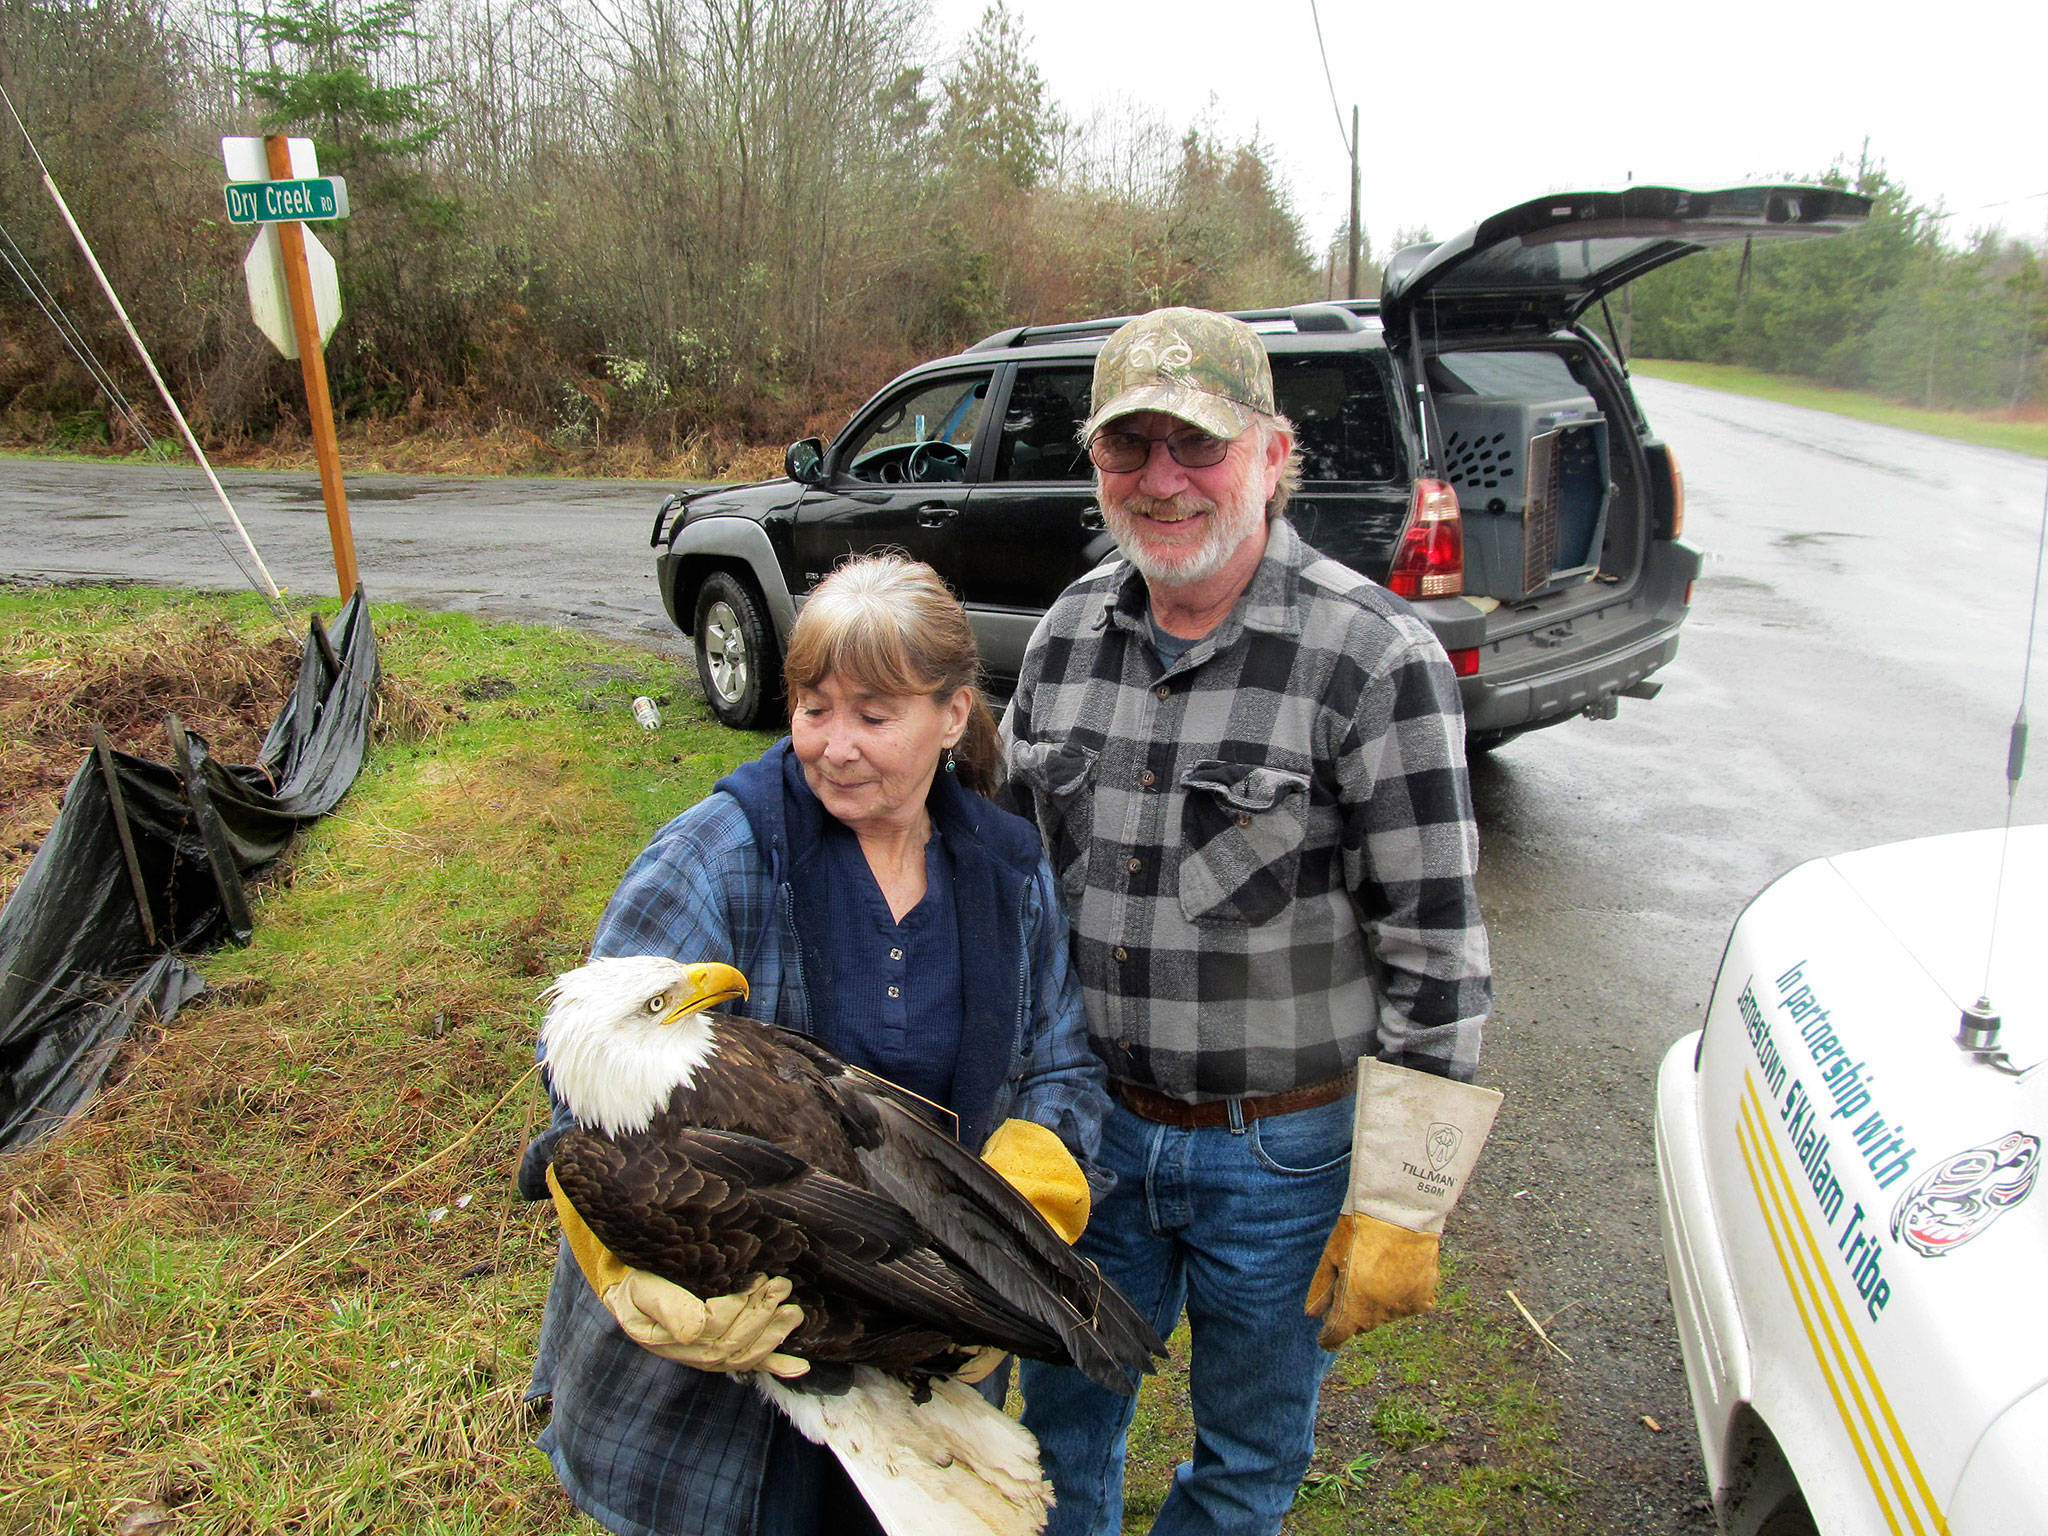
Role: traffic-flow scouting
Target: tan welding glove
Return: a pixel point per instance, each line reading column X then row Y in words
column 1414, row 1140
column 1036, row 1163
column 739, row 1332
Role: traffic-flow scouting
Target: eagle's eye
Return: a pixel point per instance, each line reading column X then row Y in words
column 658, row 1004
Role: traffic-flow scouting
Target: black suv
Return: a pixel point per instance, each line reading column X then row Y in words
column 1465, row 441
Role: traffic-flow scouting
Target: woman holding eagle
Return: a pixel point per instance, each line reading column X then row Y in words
column 876, row 901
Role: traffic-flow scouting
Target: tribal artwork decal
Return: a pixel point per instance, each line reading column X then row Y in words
column 1963, row 1194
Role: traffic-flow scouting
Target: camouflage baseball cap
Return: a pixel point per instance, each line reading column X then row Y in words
column 1208, row 369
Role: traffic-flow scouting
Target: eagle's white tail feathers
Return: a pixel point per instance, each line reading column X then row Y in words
column 951, row 1465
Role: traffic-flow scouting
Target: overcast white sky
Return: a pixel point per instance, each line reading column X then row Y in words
column 1469, row 108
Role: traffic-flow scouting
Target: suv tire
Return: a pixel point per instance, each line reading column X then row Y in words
column 735, row 651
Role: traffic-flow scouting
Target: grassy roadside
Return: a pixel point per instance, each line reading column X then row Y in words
column 372, row 1382
column 1443, row 1425
column 1986, row 429
column 163, row 1374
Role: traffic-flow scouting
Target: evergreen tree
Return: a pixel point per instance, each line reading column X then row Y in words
column 997, row 124
column 1805, row 307
column 320, row 74
column 326, row 72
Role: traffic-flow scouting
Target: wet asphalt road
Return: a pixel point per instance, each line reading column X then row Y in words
column 1848, row 675
column 567, row 552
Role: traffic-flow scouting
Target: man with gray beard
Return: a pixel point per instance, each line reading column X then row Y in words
column 1247, row 764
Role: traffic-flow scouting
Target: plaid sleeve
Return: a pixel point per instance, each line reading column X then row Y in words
column 1413, row 855
column 694, row 893
column 1064, row 1084
column 1015, row 726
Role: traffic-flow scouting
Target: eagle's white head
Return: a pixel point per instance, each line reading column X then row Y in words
column 622, row 1034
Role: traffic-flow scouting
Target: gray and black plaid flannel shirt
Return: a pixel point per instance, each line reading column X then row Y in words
column 1267, row 848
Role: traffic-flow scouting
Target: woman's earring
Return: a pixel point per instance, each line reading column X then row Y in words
column 949, row 761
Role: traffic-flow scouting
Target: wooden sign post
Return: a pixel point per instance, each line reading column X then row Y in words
column 312, row 313
column 313, row 365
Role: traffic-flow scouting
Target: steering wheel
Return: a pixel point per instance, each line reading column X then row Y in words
column 936, row 461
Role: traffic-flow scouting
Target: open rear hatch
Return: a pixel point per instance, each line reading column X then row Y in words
column 1516, row 432
column 1538, row 265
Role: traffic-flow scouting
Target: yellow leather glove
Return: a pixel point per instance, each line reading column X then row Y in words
column 1371, row 1272
column 1036, row 1163
column 738, row 1332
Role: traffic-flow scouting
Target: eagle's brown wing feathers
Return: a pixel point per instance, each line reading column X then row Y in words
column 902, row 1245
column 707, row 1209
column 660, row 1212
column 975, row 1217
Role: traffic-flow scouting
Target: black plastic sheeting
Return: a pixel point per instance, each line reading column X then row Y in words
column 145, row 865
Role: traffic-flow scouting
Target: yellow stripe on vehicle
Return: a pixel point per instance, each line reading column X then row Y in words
column 1894, row 1474
column 1767, row 1204
column 1921, row 1496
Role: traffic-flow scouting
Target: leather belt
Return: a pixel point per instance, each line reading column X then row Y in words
column 1161, row 1110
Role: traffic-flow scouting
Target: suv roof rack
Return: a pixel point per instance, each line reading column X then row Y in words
column 1329, row 315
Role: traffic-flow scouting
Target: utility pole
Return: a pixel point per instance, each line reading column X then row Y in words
column 1351, row 291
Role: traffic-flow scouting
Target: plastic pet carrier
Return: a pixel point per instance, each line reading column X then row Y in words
column 1531, row 478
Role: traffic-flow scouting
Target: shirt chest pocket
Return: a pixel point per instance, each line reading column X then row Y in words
column 1241, row 833
column 1061, row 779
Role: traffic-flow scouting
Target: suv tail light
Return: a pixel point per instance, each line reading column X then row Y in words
column 1430, row 559
column 1677, row 494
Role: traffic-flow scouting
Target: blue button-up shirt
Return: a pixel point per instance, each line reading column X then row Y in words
column 895, row 1007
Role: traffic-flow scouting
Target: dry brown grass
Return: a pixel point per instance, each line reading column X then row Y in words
column 223, row 684
column 161, row 1370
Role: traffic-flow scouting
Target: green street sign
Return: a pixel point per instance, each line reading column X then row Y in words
column 273, row 202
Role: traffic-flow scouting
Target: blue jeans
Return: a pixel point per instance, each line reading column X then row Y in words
column 1226, row 1225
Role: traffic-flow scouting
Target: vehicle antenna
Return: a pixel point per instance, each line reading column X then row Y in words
column 1979, row 1032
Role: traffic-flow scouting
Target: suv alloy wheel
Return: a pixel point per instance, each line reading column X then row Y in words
column 734, row 651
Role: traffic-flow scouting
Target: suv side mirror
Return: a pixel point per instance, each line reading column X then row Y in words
column 804, row 461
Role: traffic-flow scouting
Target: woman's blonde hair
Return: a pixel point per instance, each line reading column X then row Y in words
column 888, row 624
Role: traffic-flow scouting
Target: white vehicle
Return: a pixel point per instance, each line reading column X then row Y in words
column 1848, row 1153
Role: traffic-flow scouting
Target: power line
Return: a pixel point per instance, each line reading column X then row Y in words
column 2010, row 202
column 16, row 260
column 1342, row 137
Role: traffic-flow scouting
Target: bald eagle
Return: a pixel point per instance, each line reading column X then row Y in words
column 711, row 1148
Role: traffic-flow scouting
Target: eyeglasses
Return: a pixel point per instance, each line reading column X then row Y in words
column 1121, row 453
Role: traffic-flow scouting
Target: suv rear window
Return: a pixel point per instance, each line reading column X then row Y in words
column 1340, row 413
column 1503, row 375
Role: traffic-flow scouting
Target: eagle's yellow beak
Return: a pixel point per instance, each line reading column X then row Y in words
column 705, row 984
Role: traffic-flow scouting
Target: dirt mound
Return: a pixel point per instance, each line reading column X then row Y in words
column 222, row 684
